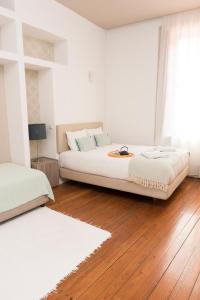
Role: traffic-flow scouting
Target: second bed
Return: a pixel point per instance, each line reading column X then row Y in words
column 96, row 167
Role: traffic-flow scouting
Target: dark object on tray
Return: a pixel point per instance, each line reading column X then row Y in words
column 124, row 151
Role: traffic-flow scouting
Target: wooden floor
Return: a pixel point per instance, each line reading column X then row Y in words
column 154, row 252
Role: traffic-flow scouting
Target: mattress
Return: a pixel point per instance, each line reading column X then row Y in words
column 19, row 185
column 97, row 161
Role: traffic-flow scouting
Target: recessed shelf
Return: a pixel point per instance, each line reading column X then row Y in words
column 33, row 63
column 7, row 57
column 4, row 19
column 43, row 45
column 39, row 91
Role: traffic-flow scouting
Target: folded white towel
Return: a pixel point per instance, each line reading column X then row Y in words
column 154, row 154
column 165, row 149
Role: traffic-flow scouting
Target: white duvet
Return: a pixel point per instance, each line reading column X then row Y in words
column 99, row 163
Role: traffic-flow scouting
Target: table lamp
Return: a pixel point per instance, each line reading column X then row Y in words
column 37, row 132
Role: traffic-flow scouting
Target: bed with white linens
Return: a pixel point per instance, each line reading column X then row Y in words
column 96, row 167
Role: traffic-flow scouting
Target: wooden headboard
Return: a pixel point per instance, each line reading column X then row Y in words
column 61, row 137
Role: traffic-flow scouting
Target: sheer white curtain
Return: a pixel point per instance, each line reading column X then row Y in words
column 178, row 97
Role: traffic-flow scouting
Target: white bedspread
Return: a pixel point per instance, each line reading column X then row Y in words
column 99, row 163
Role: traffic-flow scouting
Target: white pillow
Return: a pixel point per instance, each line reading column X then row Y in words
column 92, row 132
column 72, row 136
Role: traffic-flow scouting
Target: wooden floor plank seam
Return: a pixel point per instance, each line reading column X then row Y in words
column 188, row 220
column 189, row 276
column 192, row 291
column 146, row 260
column 177, row 253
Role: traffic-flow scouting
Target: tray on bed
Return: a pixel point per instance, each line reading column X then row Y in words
column 117, row 155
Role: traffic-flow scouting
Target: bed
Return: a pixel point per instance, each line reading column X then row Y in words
column 21, row 189
column 97, row 168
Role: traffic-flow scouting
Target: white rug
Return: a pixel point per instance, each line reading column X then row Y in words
column 39, row 249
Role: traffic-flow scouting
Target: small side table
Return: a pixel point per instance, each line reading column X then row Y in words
column 50, row 167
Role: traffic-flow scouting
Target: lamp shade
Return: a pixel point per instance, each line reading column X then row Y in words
column 37, row 132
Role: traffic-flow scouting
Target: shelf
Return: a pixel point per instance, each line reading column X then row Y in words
column 33, row 63
column 43, row 45
column 40, row 34
column 7, row 57
column 4, row 18
column 5, row 12
column 38, row 64
column 39, row 92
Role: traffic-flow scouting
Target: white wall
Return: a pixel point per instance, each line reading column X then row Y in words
column 4, row 136
column 14, row 80
column 77, row 99
column 123, row 64
column 132, row 58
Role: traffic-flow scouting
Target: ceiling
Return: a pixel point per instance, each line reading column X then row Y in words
column 114, row 13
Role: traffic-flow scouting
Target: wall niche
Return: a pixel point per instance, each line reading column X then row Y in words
column 44, row 45
column 39, row 96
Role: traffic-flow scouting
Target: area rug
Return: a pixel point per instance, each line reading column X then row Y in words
column 41, row 248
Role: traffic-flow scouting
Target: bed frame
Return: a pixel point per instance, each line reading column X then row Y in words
column 117, row 184
column 9, row 214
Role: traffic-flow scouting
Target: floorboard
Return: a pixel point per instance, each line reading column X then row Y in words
column 154, row 249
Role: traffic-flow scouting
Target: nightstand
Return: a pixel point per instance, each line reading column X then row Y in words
column 50, row 167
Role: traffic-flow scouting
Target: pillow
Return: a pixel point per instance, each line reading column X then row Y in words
column 72, row 136
column 92, row 132
column 102, row 140
column 85, row 144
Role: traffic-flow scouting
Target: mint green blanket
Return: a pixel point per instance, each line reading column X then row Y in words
column 19, row 185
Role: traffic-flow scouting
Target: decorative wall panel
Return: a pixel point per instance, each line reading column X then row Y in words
column 33, row 105
column 38, row 48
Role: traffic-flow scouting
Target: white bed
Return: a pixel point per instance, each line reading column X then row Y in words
column 96, row 167
column 97, row 161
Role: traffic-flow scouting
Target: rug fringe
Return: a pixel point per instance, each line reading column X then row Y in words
column 84, row 261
